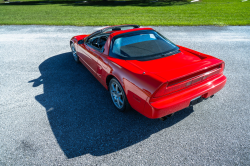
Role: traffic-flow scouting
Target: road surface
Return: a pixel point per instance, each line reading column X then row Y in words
column 54, row 112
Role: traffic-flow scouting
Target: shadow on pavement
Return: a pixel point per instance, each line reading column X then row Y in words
column 81, row 114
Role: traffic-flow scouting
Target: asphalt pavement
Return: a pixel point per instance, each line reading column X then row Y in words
column 54, row 112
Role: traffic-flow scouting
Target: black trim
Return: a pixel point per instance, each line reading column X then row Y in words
column 111, row 28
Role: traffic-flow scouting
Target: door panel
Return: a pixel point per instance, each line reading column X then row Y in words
column 91, row 53
column 85, row 53
column 95, row 56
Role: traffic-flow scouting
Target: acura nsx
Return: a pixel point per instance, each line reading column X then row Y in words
column 144, row 70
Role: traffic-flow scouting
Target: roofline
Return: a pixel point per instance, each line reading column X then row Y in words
column 129, row 30
column 120, row 26
column 112, row 27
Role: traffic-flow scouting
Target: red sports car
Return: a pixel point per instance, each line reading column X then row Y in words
column 144, row 70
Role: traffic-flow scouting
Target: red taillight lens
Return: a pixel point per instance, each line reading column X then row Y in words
column 185, row 82
column 161, row 90
column 222, row 67
column 178, row 86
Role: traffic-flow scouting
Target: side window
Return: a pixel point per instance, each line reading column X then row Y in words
column 98, row 42
column 94, row 42
column 102, row 41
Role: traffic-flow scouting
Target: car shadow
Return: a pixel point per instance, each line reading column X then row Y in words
column 81, row 114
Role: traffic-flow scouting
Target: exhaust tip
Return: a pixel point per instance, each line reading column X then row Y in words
column 165, row 117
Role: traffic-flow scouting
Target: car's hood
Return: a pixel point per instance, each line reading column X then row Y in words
column 175, row 66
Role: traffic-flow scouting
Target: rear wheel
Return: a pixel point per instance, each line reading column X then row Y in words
column 118, row 95
column 75, row 56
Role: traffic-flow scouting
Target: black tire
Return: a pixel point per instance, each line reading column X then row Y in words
column 75, row 56
column 116, row 98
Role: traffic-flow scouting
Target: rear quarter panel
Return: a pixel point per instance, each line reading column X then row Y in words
column 137, row 86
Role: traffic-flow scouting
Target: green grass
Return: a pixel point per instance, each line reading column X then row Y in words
column 207, row 12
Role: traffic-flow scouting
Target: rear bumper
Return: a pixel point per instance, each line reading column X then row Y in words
column 180, row 100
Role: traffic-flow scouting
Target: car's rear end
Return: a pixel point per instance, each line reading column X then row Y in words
column 190, row 78
column 175, row 99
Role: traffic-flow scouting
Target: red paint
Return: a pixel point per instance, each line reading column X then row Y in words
column 169, row 83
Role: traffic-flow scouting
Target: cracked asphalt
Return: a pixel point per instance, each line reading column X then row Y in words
column 54, row 112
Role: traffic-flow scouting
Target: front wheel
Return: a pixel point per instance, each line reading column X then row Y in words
column 118, row 95
column 75, row 56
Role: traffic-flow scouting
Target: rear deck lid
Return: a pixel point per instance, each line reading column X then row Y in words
column 176, row 66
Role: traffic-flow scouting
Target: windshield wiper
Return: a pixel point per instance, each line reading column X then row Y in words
column 159, row 56
column 171, row 53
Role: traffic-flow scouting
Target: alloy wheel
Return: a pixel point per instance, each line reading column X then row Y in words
column 74, row 53
column 117, row 95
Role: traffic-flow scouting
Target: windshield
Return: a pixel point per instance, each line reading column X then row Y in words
column 141, row 44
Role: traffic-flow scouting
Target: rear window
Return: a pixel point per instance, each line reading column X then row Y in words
column 141, row 45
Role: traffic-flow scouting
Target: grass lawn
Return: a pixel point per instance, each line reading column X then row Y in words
column 206, row 12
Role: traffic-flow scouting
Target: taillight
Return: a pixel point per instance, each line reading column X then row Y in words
column 161, row 90
column 187, row 81
column 222, row 67
column 165, row 89
column 181, row 85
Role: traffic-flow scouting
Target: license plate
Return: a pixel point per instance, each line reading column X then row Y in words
column 196, row 101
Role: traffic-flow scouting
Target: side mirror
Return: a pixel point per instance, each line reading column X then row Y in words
column 80, row 41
